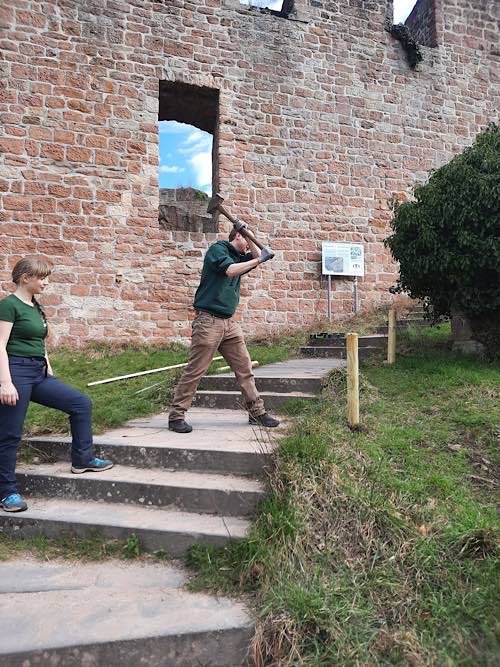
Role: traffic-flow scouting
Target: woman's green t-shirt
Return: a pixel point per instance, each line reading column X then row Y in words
column 29, row 331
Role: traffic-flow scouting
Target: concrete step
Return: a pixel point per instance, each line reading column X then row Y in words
column 282, row 385
column 403, row 325
column 171, row 530
column 160, row 448
column 109, row 613
column 274, row 401
column 191, row 491
column 374, row 340
column 338, row 352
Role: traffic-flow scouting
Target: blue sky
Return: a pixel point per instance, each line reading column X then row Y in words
column 186, row 152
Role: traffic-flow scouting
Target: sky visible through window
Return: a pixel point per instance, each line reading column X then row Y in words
column 186, row 152
column 277, row 5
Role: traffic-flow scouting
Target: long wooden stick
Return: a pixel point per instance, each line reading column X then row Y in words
column 228, row 368
column 134, row 375
column 391, row 337
column 352, row 379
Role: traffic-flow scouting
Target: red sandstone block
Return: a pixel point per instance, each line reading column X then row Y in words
column 43, row 204
column 64, row 137
column 83, row 193
column 69, row 206
column 59, row 191
column 78, row 234
column 78, row 154
column 52, row 151
column 108, row 195
column 55, row 102
column 44, row 231
column 79, row 290
column 22, row 246
column 15, row 146
column 107, row 158
column 16, row 203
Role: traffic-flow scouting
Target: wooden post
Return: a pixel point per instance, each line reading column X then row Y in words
column 391, row 337
column 352, row 380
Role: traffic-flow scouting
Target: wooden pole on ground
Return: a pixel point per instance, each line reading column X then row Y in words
column 134, row 375
column 228, row 368
column 391, row 337
column 352, row 380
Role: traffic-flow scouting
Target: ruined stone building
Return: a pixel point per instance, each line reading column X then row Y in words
column 318, row 122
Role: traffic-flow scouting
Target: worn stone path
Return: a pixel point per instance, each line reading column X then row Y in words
column 112, row 614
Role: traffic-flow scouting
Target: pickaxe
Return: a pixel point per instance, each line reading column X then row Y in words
column 215, row 204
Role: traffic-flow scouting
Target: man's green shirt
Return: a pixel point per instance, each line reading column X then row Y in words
column 29, row 331
column 218, row 293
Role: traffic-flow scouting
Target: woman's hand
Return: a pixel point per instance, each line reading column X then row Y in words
column 8, row 394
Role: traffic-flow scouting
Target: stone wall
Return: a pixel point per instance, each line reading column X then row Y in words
column 422, row 22
column 320, row 123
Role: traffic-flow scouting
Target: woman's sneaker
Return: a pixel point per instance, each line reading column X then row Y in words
column 97, row 465
column 13, row 503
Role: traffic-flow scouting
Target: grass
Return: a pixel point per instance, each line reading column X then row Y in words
column 71, row 547
column 380, row 547
column 117, row 402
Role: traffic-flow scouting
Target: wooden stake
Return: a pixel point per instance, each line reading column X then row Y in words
column 134, row 375
column 391, row 337
column 352, row 380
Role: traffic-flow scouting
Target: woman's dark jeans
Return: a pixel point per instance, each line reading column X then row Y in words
column 29, row 376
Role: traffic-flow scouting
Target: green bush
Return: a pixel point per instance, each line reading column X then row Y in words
column 447, row 241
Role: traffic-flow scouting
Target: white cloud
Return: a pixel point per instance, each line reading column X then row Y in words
column 171, row 169
column 402, row 9
column 173, row 127
column 195, row 136
column 196, row 144
column 202, row 167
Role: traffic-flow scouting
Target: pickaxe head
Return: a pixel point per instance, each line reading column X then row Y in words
column 214, row 203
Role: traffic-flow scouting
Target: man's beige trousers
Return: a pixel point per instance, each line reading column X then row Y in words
column 210, row 334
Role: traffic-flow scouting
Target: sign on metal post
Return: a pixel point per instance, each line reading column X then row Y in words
column 342, row 259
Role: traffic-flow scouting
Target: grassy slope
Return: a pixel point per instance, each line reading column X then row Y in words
column 380, row 547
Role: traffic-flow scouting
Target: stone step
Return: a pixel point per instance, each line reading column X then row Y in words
column 282, row 385
column 109, row 613
column 157, row 447
column 403, row 325
column 375, row 340
column 170, row 530
column 191, row 491
column 338, row 352
column 274, row 401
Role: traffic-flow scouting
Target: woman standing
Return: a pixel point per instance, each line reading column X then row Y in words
column 26, row 375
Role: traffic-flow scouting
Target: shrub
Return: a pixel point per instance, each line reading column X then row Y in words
column 447, row 241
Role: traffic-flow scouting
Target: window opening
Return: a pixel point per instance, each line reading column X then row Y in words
column 188, row 173
column 419, row 17
column 282, row 8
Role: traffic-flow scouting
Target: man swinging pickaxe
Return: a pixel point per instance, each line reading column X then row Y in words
column 215, row 204
column 215, row 302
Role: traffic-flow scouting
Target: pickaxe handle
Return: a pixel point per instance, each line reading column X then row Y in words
column 244, row 232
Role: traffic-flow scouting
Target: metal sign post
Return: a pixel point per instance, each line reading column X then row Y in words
column 329, row 297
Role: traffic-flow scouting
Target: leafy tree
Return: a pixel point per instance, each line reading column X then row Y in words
column 447, row 241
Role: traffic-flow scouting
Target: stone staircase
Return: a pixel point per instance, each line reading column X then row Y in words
column 332, row 345
column 170, row 491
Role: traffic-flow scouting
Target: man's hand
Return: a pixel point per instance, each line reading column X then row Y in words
column 265, row 255
column 239, row 225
